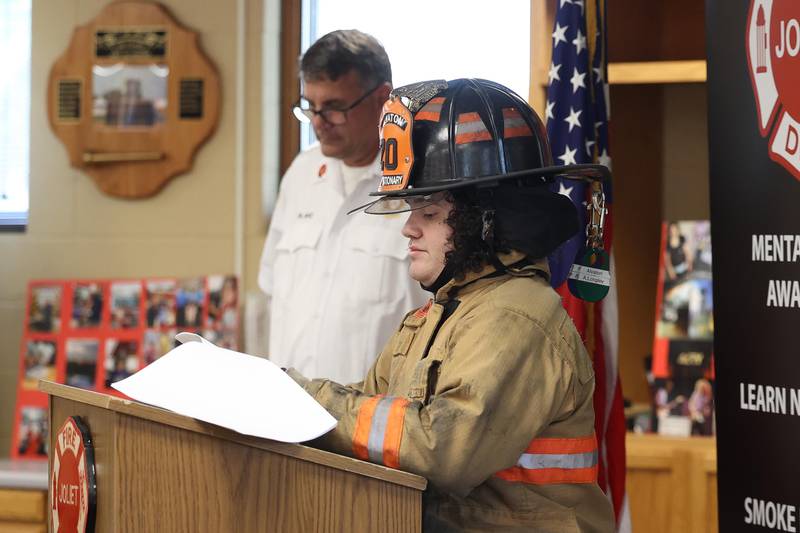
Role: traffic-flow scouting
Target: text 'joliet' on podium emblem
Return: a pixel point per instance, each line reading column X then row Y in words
column 73, row 490
column 773, row 58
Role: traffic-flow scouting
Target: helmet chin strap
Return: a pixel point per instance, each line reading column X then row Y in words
column 487, row 232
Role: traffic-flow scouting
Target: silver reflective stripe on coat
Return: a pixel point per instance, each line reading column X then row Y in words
column 537, row 461
column 378, row 430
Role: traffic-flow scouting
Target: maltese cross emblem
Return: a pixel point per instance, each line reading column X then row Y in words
column 772, row 43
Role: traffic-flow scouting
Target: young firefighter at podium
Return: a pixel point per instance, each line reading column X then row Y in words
column 487, row 389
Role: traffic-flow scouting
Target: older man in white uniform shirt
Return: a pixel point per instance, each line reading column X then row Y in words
column 337, row 285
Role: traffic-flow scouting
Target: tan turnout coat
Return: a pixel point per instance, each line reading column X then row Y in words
column 493, row 405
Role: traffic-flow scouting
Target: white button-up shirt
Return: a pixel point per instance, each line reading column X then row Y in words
column 337, row 285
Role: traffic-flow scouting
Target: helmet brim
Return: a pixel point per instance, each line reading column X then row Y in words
column 391, row 202
column 390, row 205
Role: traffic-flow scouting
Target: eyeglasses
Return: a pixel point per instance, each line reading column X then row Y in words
column 304, row 112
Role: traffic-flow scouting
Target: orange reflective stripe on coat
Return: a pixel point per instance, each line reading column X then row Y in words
column 422, row 312
column 551, row 461
column 379, row 430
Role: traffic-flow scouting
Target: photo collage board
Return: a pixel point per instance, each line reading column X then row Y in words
column 682, row 364
column 92, row 333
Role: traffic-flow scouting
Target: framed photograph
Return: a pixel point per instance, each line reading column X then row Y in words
column 160, row 309
column 685, row 281
column 690, row 401
column 82, row 357
column 39, row 363
column 190, row 299
column 687, row 311
column 223, row 302
column 44, row 308
column 684, row 331
column 31, row 440
column 156, row 343
column 684, row 296
column 87, row 306
column 125, row 304
column 121, row 360
column 224, row 338
column 125, row 95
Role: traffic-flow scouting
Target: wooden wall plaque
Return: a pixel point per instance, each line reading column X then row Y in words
column 133, row 98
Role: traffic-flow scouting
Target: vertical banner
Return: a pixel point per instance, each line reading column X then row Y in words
column 754, row 119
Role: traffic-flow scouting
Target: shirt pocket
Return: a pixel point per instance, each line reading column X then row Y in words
column 401, row 347
column 378, row 257
column 425, row 378
column 294, row 255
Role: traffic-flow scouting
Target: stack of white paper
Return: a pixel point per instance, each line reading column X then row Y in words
column 247, row 394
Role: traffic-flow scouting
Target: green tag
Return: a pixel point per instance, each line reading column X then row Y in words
column 589, row 278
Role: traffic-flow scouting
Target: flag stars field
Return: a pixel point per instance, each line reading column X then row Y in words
column 604, row 159
column 573, row 118
column 568, row 157
column 553, row 74
column 577, row 127
column 559, row 35
column 579, row 42
column 577, row 80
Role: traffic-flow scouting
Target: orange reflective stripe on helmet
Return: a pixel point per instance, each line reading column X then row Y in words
column 514, row 125
column 379, row 430
column 552, row 461
column 432, row 110
column 470, row 128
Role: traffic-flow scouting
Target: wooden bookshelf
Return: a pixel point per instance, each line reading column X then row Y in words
column 23, row 496
column 644, row 72
column 671, row 483
column 657, row 73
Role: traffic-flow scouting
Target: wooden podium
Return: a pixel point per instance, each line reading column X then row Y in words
column 160, row 471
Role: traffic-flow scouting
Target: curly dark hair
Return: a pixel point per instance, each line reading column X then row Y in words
column 470, row 253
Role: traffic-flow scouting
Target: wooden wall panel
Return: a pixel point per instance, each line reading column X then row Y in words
column 290, row 82
column 22, row 505
column 653, row 31
column 636, row 147
column 672, row 484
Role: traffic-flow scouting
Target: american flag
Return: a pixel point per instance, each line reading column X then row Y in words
column 577, row 125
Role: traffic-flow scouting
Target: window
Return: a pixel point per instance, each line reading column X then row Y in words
column 15, row 95
column 426, row 40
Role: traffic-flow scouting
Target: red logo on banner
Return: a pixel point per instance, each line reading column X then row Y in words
column 773, row 58
column 73, row 489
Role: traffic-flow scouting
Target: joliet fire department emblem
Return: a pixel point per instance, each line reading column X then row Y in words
column 773, row 58
column 73, row 490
